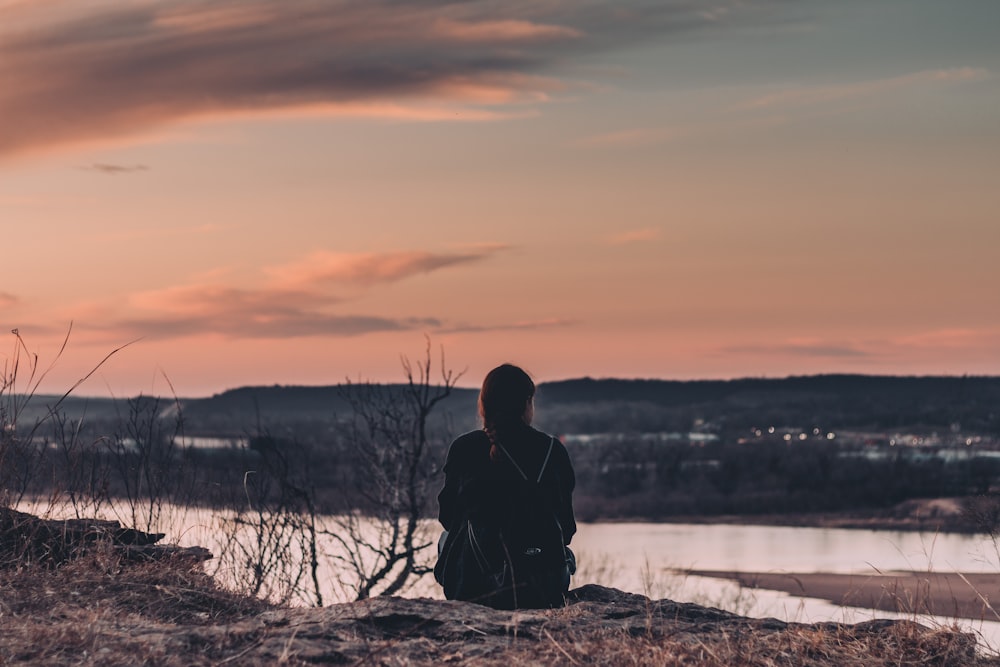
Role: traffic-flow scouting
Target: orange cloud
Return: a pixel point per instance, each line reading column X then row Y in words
column 366, row 269
column 244, row 313
column 7, row 300
column 129, row 69
column 295, row 301
column 509, row 30
column 76, row 73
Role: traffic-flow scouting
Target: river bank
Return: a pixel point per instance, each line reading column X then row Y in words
column 949, row 594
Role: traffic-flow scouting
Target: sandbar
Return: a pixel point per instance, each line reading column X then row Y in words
column 950, row 594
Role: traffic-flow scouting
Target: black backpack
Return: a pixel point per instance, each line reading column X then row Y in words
column 516, row 560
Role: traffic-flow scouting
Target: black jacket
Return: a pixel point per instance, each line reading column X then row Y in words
column 475, row 486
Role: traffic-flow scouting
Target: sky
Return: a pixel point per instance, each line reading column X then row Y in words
column 219, row 193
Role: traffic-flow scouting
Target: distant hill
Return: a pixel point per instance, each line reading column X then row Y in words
column 834, row 400
column 681, row 392
column 613, row 404
column 591, row 405
column 243, row 407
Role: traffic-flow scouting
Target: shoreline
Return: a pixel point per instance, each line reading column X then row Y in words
column 927, row 515
column 833, row 520
column 948, row 594
column 846, row 522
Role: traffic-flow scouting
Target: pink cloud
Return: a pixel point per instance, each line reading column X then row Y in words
column 128, row 70
column 366, row 269
column 294, row 300
column 509, row 30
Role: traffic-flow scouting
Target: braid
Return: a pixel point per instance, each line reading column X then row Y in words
column 491, row 433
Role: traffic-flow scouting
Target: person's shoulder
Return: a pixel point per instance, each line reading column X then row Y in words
column 542, row 435
column 467, row 443
column 471, row 437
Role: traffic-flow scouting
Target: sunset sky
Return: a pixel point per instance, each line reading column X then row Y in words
column 296, row 192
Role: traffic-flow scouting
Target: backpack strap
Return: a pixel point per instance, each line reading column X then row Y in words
column 545, row 463
column 552, row 442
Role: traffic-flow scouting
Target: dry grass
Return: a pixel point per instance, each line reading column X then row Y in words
column 97, row 610
column 906, row 644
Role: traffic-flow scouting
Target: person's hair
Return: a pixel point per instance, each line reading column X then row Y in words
column 503, row 401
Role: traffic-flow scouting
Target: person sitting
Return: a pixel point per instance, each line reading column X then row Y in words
column 507, row 505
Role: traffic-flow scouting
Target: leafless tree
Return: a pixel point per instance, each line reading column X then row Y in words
column 23, row 450
column 271, row 544
column 145, row 452
column 380, row 544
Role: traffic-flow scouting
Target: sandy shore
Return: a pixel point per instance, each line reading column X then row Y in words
column 941, row 593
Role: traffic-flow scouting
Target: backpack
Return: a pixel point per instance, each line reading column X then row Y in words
column 518, row 560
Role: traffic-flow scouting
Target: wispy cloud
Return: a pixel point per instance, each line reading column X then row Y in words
column 634, row 236
column 951, row 338
column 830, row 94
column 292, row 301
column 128, row 69
column 526, row 325
column 7, row 300
column 115, row 169
column 291, row 324
column 797, row 348
column 366, row 269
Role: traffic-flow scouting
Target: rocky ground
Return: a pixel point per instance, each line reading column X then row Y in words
column 104, row 603
column 95, row 611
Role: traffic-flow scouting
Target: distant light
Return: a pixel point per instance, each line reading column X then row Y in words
column 757, row 433
column 770, row 429
column 892, row 443
column 802, row 436
column 788, row 436
column 968, row 441
column 816, row 431
column 830, row 436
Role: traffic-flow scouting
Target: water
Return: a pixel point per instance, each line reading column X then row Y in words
column 647, row 558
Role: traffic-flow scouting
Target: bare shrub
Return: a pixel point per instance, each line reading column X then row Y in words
column 381, row 543
column 270, row 547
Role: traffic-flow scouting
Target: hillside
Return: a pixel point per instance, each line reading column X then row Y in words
column 589, row 405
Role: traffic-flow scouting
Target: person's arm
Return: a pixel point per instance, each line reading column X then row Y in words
column 448, row 497
column 567, row 479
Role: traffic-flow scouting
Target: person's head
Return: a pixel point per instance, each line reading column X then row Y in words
column 506, row 397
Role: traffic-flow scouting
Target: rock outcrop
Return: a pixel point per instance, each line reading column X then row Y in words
column 28, row 538
column 598, row 626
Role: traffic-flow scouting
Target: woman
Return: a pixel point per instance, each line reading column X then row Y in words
column 507, row 504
